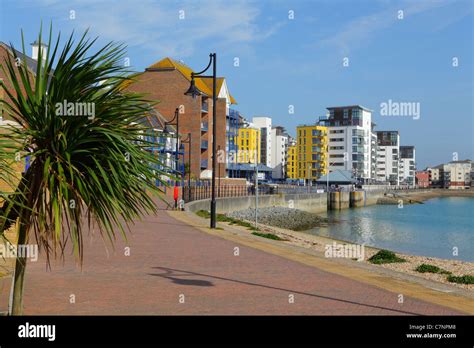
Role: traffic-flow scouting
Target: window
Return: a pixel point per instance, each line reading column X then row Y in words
column 346, row 113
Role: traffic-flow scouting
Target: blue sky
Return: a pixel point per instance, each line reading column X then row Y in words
column 299, row 61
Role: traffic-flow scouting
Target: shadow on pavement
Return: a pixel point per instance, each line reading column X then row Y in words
column 173, row 274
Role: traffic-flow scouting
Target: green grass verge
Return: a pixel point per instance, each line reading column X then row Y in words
column 223, row 218
column 385, row 256
column 425, row 268
column 267, row 235
column 465, row 279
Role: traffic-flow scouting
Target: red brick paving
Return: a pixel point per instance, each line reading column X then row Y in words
column 169, row 258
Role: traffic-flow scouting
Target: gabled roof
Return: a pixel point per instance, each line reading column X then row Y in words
column 30, row 62
column 338, row 176
column 204, row 85
column 248, row 167
column 155, row 120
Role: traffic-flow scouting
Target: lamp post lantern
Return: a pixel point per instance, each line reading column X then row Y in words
column 193, row 91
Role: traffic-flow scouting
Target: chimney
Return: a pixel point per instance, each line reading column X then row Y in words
column 35, row 50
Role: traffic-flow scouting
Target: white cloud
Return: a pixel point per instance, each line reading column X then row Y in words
column 360, row 30
column 155, row 26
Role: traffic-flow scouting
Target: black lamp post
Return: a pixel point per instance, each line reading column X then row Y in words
column 219, row 175
column 175, row 121
column 194, row 92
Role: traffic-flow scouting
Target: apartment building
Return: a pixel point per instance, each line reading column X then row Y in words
column 373, row 156
column 457, row 174
column 265, row 125
column 436, row 175
column 350, row 140
column 279, row 152
column 166, row 81
column 249, row 142
column 407, row 165
column 6, row 122
column 311, row 145
column 291, row 164
column 9, row 53
column 232, row 131
column 388, row 151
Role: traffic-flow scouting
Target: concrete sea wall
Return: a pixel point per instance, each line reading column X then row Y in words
column 309, row 202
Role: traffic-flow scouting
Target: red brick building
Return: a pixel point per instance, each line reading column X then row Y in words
column 166, row 82
column 8, row 53
column 422, row 178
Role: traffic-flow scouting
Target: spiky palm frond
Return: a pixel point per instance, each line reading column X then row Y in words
column 80, row 164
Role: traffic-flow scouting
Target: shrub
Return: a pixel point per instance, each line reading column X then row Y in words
column 385, row 256
column 465, row 279
column 267, row 235
column 425, row 268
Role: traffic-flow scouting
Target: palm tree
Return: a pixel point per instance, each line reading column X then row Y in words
column 84, row 166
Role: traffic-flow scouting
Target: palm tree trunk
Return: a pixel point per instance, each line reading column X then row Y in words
column 20, row 268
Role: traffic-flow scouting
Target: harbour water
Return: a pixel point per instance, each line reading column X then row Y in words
column 437, row 228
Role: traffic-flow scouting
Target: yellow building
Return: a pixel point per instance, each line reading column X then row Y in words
column 248, row 141
column 291, row 163
column 311, row 146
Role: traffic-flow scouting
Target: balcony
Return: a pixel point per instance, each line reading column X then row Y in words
column 204, row 106
column 204, row 164
column 204, row 126
column 204, row 144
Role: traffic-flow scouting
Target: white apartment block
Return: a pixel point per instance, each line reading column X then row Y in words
column 388, row 150
column 407, row 165
column 279, row 152
column 265, row 125
column 457, row 174
column 350, row 140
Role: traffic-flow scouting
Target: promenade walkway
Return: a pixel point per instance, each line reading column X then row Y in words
column 175, row 268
